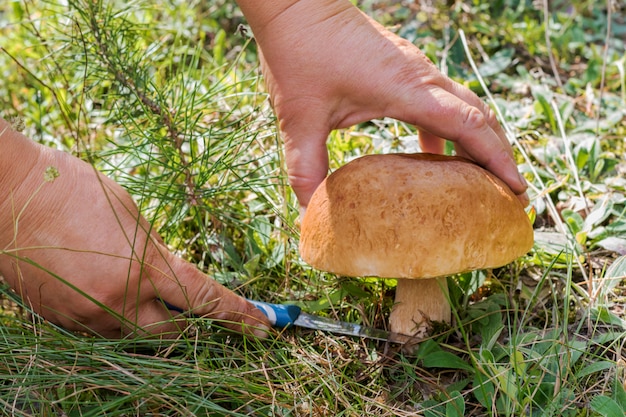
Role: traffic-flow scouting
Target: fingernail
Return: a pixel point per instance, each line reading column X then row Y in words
column 261, row 331
column 522, row 179
column 524, row 199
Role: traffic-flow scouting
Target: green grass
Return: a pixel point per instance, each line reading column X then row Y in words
column 167, row 99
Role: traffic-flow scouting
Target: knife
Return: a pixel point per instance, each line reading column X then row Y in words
column 288, row 315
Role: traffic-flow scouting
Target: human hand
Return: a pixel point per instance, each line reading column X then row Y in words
column 328, row 66
column 77, row 250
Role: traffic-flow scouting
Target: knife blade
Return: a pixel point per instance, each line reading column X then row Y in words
column 288, row 315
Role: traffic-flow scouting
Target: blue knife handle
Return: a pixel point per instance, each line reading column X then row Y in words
column 280, row 315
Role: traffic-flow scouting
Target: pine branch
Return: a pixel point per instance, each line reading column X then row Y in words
column 166, row 117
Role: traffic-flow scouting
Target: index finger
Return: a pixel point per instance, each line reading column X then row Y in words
column 472, row 126
column 181, row 284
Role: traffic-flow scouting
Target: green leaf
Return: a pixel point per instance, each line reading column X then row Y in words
column 427, row 348
column 497, row 63
column 483, row 390
column 543, row 105
column 486, row 356
column 433, row 408
column 616, row 272
column 594, row 367
column 582, row 156
column 597, row 169
column 619, row 393
column 324, row 303
column 574, row 220
column 617, row 268
column 456, row 406
column 604, row 315
column 598, row 215
column 491, row 332
column 507, row 381
column 219, row 46
column 517, row 361
column 606, row 406
column 353, row 290
column 443, row 359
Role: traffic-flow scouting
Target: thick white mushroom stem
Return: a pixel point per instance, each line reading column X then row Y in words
column 418, row 303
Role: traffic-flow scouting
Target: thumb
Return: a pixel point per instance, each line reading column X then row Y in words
column 181, row 284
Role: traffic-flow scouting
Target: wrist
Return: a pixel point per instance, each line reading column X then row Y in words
column 18, row 156
column 21, row 171
column 260, row 15
column 284, row 17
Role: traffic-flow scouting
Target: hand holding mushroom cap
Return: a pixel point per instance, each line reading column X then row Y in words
column 418, row 218
column 348, row 69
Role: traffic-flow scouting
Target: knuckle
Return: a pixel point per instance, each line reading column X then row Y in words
column 473, row 118
column 490, row 115
column 209, row 298
column 411, row 67
column 303, row 182
column 424, row 76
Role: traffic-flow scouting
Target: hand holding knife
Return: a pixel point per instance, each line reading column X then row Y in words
column 287, row 315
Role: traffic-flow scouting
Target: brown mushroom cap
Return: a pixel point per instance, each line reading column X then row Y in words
column 413, row 216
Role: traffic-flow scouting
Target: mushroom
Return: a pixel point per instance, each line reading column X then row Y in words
column 417, row 218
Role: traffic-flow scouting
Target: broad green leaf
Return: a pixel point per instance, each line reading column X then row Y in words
column 456, row 406
column 582, row 156
column 433, row 408
column 575, row 349
column 426, row 348
column 486, row 356
column 619, row 392
column 573, row 219
column 443, row 359
column 497, row 63
column 518, row 363
column 598, row 215
column 324, row 303
column 617, row 268
column 483, row 390
column 606, row 316
column 614, row 244
column 508, row 382
column 606, row 406
column 491, row 324
column 353, row 290
column 491, row 334
column 597, row 169
column 593, row 368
